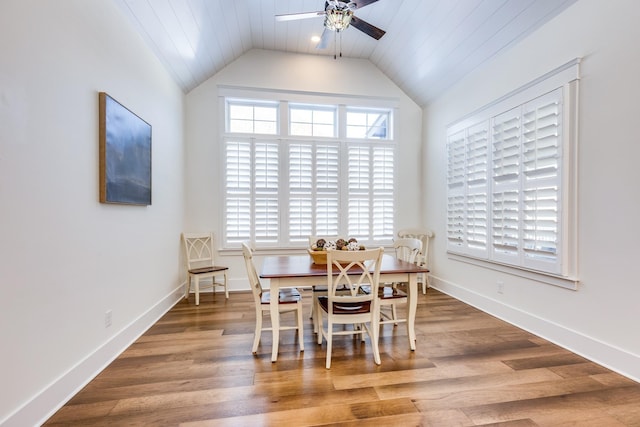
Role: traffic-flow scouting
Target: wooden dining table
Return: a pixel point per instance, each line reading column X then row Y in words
column 300, row 270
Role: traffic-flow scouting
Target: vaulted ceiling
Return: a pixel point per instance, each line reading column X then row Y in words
column 429, row 44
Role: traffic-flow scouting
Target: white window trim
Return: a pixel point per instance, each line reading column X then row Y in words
column 565, row 77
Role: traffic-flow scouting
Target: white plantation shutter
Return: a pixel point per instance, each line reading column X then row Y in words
column 506, row 137
column 383, row 190
column 359, row 184
column 370, row 174
column 456, row 191
column 266, row 210
column 251, row 181
column 313, row 188
column 300, row 190
column 511, row 179
column 477, row 188
column 238, row 191
column 327, row 219
column 541, row 154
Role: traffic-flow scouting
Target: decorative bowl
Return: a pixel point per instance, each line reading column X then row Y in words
column 318, row 257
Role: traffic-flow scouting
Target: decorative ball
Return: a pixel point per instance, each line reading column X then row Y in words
column 330, row 245
column 353, row 246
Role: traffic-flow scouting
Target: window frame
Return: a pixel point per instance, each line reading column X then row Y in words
column 463, row 208
column 285, row 140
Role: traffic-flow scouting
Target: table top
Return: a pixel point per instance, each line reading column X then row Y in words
column 303, row 266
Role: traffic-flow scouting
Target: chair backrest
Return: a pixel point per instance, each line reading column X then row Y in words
column 356, row 269
column 198, row 248
column 408, row 249
column 254, row 280
column 424, row 235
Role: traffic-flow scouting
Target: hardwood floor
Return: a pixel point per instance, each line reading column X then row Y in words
column 195, row 368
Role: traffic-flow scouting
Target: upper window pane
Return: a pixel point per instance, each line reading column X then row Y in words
column 368, row 124
column 312, row 120
column 256, row 117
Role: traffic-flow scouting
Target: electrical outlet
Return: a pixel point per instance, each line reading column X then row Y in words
column 500, row 287
column 107, row 318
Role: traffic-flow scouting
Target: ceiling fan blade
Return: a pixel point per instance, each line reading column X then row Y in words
column 304, row 15
column 367, row 28
column 363, row 3
column 324, row 40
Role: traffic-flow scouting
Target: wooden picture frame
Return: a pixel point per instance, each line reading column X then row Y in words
column 125, row 154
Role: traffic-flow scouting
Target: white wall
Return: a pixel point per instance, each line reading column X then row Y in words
column 65, row 258
column 290, row 72
column 600, row 319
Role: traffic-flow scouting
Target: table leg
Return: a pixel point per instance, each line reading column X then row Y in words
column 275, row 317
column 412, row 300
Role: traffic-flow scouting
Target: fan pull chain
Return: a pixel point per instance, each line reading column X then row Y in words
column 335, row 44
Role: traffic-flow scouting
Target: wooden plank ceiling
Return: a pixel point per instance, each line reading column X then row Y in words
column 429, row 44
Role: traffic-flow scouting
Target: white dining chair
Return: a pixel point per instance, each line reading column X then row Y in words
column 390, row 294
column 199, row 252
column 289, row 300
column 422, row 259
column 352, row 306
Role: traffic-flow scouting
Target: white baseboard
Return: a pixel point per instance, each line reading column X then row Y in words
column 602, row 353
column 43, row 405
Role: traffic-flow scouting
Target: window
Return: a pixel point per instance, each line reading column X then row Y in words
column 367, row 124
column 510, row 179
column 256, row 117
column 310, row 120
column 281, row 187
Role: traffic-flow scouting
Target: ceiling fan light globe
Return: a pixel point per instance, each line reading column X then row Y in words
column 337, row 20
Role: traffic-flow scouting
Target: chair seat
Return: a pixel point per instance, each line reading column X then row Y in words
column 324, row 288
column 209, row 269
column 286, row 296
column 344, row 308
column 389, row 292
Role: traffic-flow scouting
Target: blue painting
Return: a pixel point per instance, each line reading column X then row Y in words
column 125, row 155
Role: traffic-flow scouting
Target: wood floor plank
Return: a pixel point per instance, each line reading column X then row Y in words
column 194, row 367
column 374, row 412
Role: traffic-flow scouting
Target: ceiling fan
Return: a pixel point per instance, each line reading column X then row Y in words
column 338, row 16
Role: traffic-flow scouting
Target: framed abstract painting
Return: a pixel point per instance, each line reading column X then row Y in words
column 125, row 154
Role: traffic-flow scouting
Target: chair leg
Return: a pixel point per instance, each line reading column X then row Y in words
column 425, row 283
column 258, row 332
column 197, row 290
column 319, row 325
column 300, row 327
column 374, row 334
column 315, row 315
column 187, row 287
column 394, row 314
column 329, row 342
column 226, row 288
